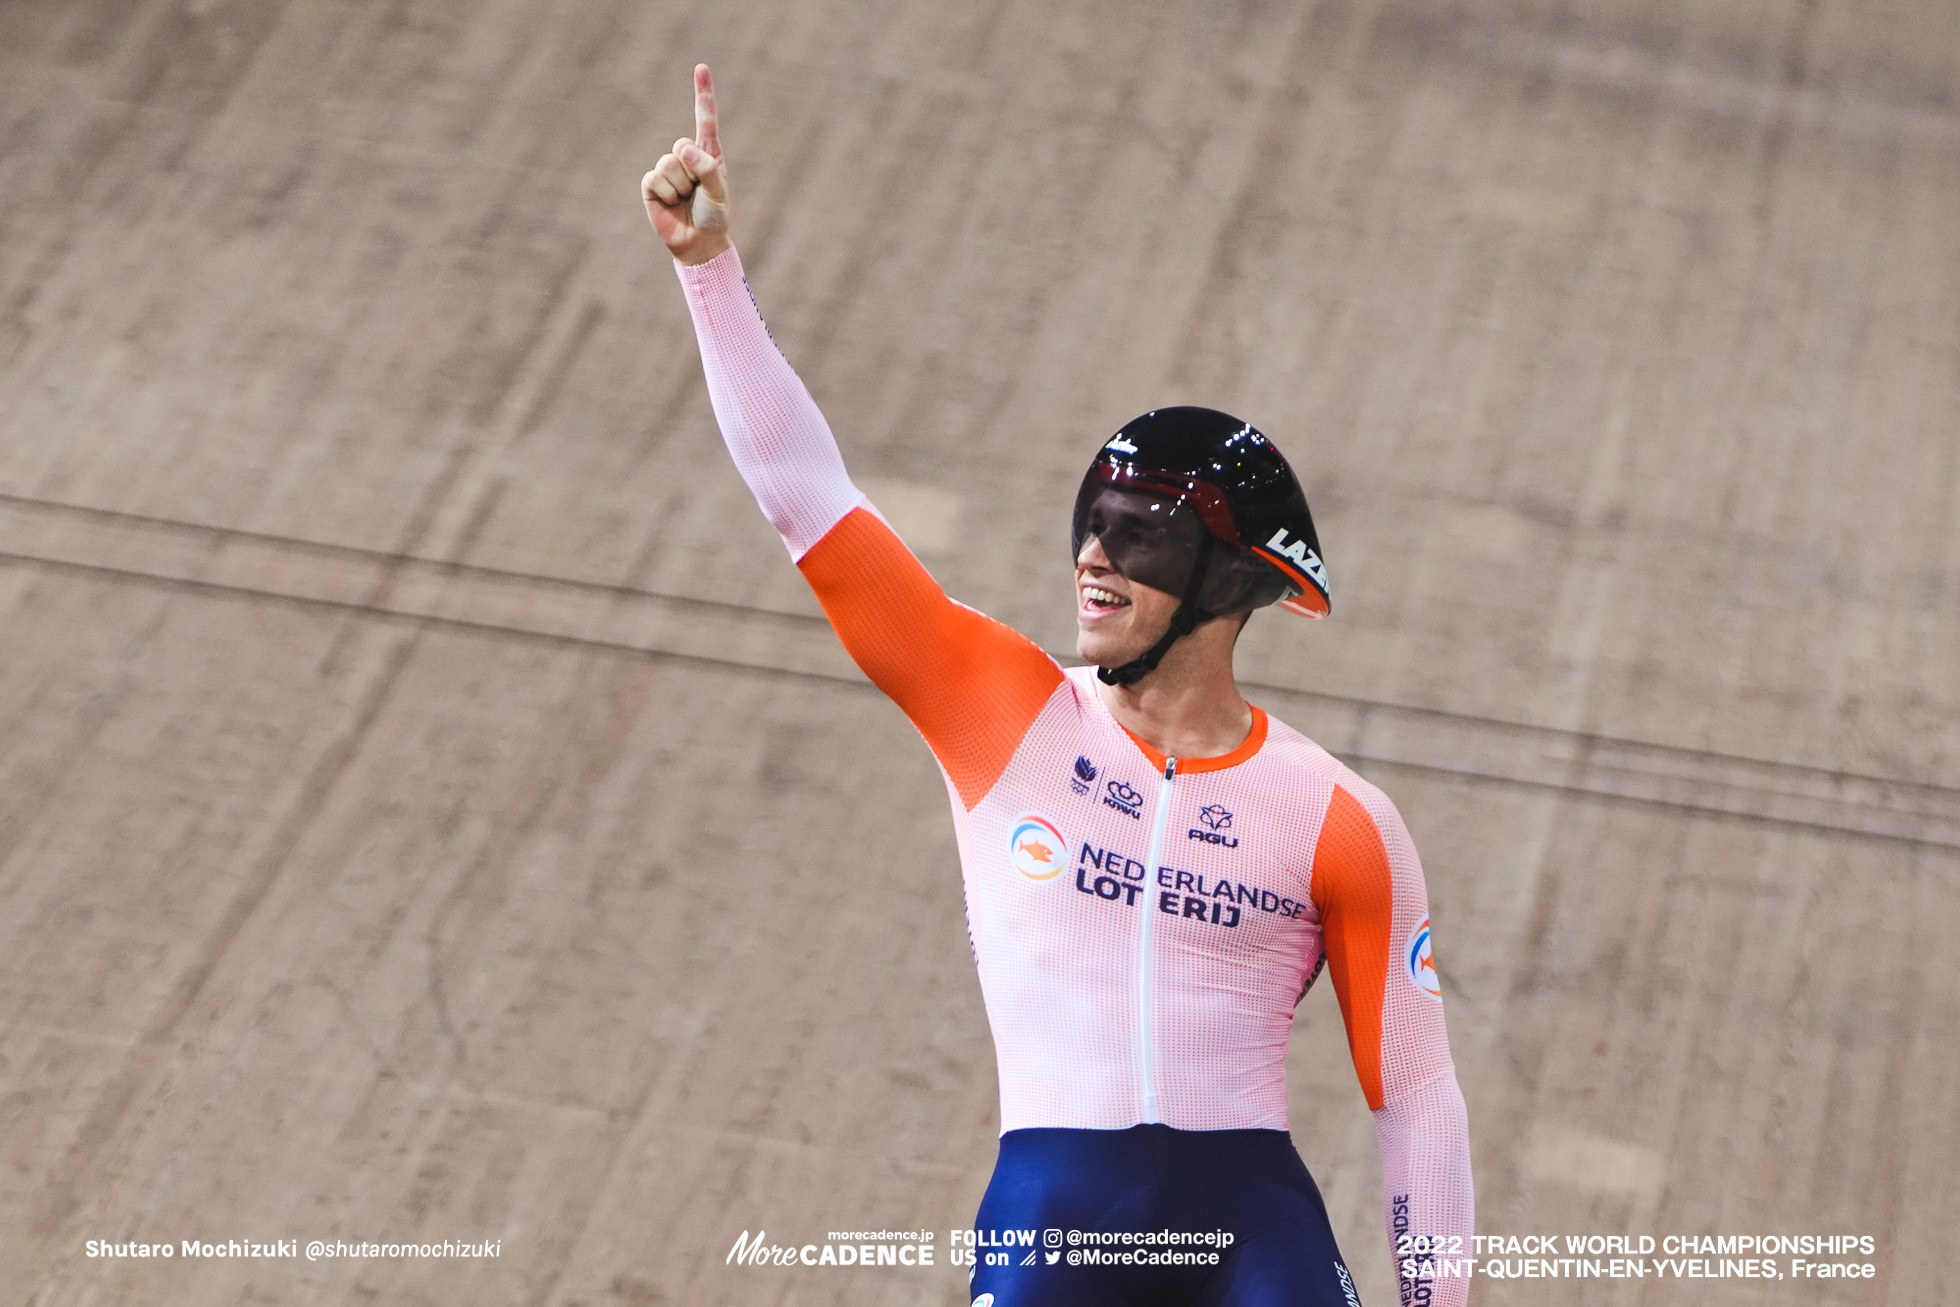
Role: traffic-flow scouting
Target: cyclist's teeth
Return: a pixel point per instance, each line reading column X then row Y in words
column 1100, row 596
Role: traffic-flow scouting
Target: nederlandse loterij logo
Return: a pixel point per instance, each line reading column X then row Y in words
column 984, row 1300
column 1037, row 849
column 1422, row 962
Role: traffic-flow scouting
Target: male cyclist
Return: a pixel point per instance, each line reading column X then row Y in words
column 1155, row 870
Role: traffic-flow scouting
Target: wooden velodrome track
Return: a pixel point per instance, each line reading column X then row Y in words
column 430, row 806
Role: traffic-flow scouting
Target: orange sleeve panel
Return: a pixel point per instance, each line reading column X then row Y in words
column 1352, row 888
column 971, row 685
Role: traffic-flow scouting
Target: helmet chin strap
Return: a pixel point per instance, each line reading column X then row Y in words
column 1184, row 621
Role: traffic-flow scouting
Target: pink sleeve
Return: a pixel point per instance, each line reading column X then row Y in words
column 971, row 685
column 1374, row 908
column 1426, row 1188
column 778, row 437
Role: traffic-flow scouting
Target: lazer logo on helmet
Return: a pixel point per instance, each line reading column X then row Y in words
column 1301, row 554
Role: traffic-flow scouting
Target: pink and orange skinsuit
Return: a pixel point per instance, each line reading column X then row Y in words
column 1144, row 926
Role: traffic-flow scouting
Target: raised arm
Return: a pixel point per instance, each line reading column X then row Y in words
column 971, row 685
column 1374, row 916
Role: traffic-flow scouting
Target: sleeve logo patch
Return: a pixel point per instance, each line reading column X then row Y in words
column 1422, row 962
column 1037, row 849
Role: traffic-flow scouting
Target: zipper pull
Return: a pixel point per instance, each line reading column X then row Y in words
column 1170, row 768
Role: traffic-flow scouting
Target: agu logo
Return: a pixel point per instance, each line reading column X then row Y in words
column 1422, row 963
column 1037, row 849
column 1215, row 816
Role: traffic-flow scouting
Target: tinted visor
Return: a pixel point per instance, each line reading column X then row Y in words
column 1154, row 527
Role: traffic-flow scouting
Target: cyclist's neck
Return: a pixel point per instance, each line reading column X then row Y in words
column 1190, row 706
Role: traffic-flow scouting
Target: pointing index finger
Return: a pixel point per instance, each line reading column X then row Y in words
column 705, row 133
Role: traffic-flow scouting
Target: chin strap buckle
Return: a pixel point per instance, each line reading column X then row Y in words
column 1184, row 621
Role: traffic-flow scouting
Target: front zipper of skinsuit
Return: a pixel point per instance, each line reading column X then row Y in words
column 1146, row 1073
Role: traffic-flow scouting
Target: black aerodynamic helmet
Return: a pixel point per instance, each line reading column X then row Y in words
column 1200, row 504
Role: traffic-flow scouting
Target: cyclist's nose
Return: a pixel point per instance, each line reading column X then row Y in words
column 1092, row 556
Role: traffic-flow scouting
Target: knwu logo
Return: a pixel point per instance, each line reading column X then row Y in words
column 1124, row 799
column 1216, row 817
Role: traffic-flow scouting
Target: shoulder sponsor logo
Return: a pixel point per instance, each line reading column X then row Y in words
column 1124, row 799
column 1037, row 849
column 1422, row 962
column 1217, row 819
column 1085, row 776
column 984, row 1300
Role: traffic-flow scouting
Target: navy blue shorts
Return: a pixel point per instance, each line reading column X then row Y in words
column 1151, row 1180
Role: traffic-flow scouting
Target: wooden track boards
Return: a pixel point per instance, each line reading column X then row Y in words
column 431, row 808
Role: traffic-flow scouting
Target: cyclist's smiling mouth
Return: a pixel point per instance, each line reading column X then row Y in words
column 1099, row 602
